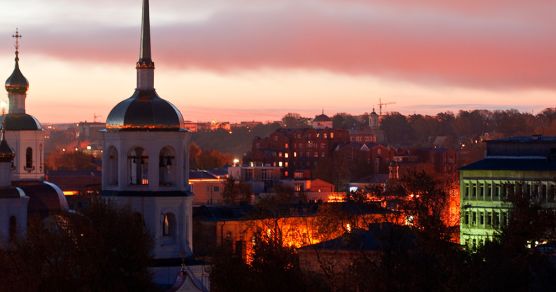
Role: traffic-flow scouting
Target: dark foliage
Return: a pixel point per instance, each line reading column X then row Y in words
column 103, row 249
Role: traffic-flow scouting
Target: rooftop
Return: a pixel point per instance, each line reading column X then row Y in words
column 525, row 164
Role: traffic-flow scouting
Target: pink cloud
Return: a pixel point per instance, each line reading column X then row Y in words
column 449, row 51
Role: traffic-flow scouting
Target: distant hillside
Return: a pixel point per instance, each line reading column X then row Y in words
column 237, row 143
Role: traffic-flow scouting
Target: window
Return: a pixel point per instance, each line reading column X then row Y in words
column 466, row 218
column 112, row 166
column 474, row 218
column 488, row 219
column 286, row 155
column 495, row 219
column 481, row 218
column 167, row 167
column 169, row 225
column 295, row 154
column 138, row 167
column 29, row 158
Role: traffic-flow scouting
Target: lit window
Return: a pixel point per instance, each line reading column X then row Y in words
column 331, row 135
column 280, row 164
column 295, row 154
column 287, row 155
column 169, row 225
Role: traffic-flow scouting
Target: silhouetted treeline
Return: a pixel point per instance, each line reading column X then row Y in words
column 466, row 125
column 236, row 143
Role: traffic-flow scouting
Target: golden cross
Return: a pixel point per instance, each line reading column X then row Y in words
column 17, row 36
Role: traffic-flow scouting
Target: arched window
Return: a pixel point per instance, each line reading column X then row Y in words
column 169, row 225
column 29, row 158
column 167, row 167
column 112, row 166
column 138, row 163
column 12, row 228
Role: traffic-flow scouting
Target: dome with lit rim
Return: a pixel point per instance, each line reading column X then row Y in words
column 145, row 110
column 17, row 83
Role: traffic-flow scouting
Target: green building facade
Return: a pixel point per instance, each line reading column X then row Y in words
column 518, row 165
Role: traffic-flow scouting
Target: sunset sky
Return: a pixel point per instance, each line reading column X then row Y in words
column 233, row 60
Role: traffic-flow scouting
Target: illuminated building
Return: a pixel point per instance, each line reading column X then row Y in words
column 518, row 165
column 207, row 187
column 146, row 165
column 234, row 227
column 297, row 151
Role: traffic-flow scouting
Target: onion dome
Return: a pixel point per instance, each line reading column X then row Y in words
column 17, row 83
column 20, row 122
column 144, row 111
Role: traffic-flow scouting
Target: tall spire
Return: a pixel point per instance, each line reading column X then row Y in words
column 145, row 65
column 145, row 54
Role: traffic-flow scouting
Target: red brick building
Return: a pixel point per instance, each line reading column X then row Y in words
column 297, row 151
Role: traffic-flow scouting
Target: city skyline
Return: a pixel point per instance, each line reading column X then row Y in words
column 245, row 60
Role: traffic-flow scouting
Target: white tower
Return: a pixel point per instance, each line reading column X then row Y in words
column 23, row 131
column 146, row 159
column 13, row 202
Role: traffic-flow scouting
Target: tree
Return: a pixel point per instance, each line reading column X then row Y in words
column 103, row 249
column 207, row 159
column 294, row 120
column 396, row 129
column 236, row 192
column 74, row 160
column 274, row 267
column 345, row 121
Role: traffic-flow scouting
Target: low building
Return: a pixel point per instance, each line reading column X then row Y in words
column 234, row 227
column 341, row 253
column 206, row 187
column 517, row 165
column 261, row 178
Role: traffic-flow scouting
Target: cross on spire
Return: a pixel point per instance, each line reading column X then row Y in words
column 17, row 36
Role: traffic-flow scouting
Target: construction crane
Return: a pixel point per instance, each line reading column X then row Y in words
column 382, row 104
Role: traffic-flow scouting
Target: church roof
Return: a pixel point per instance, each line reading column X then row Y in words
column 21, row 122
column 6, row 153
column 145, row 111
column 322, row 118
column 45, row 198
